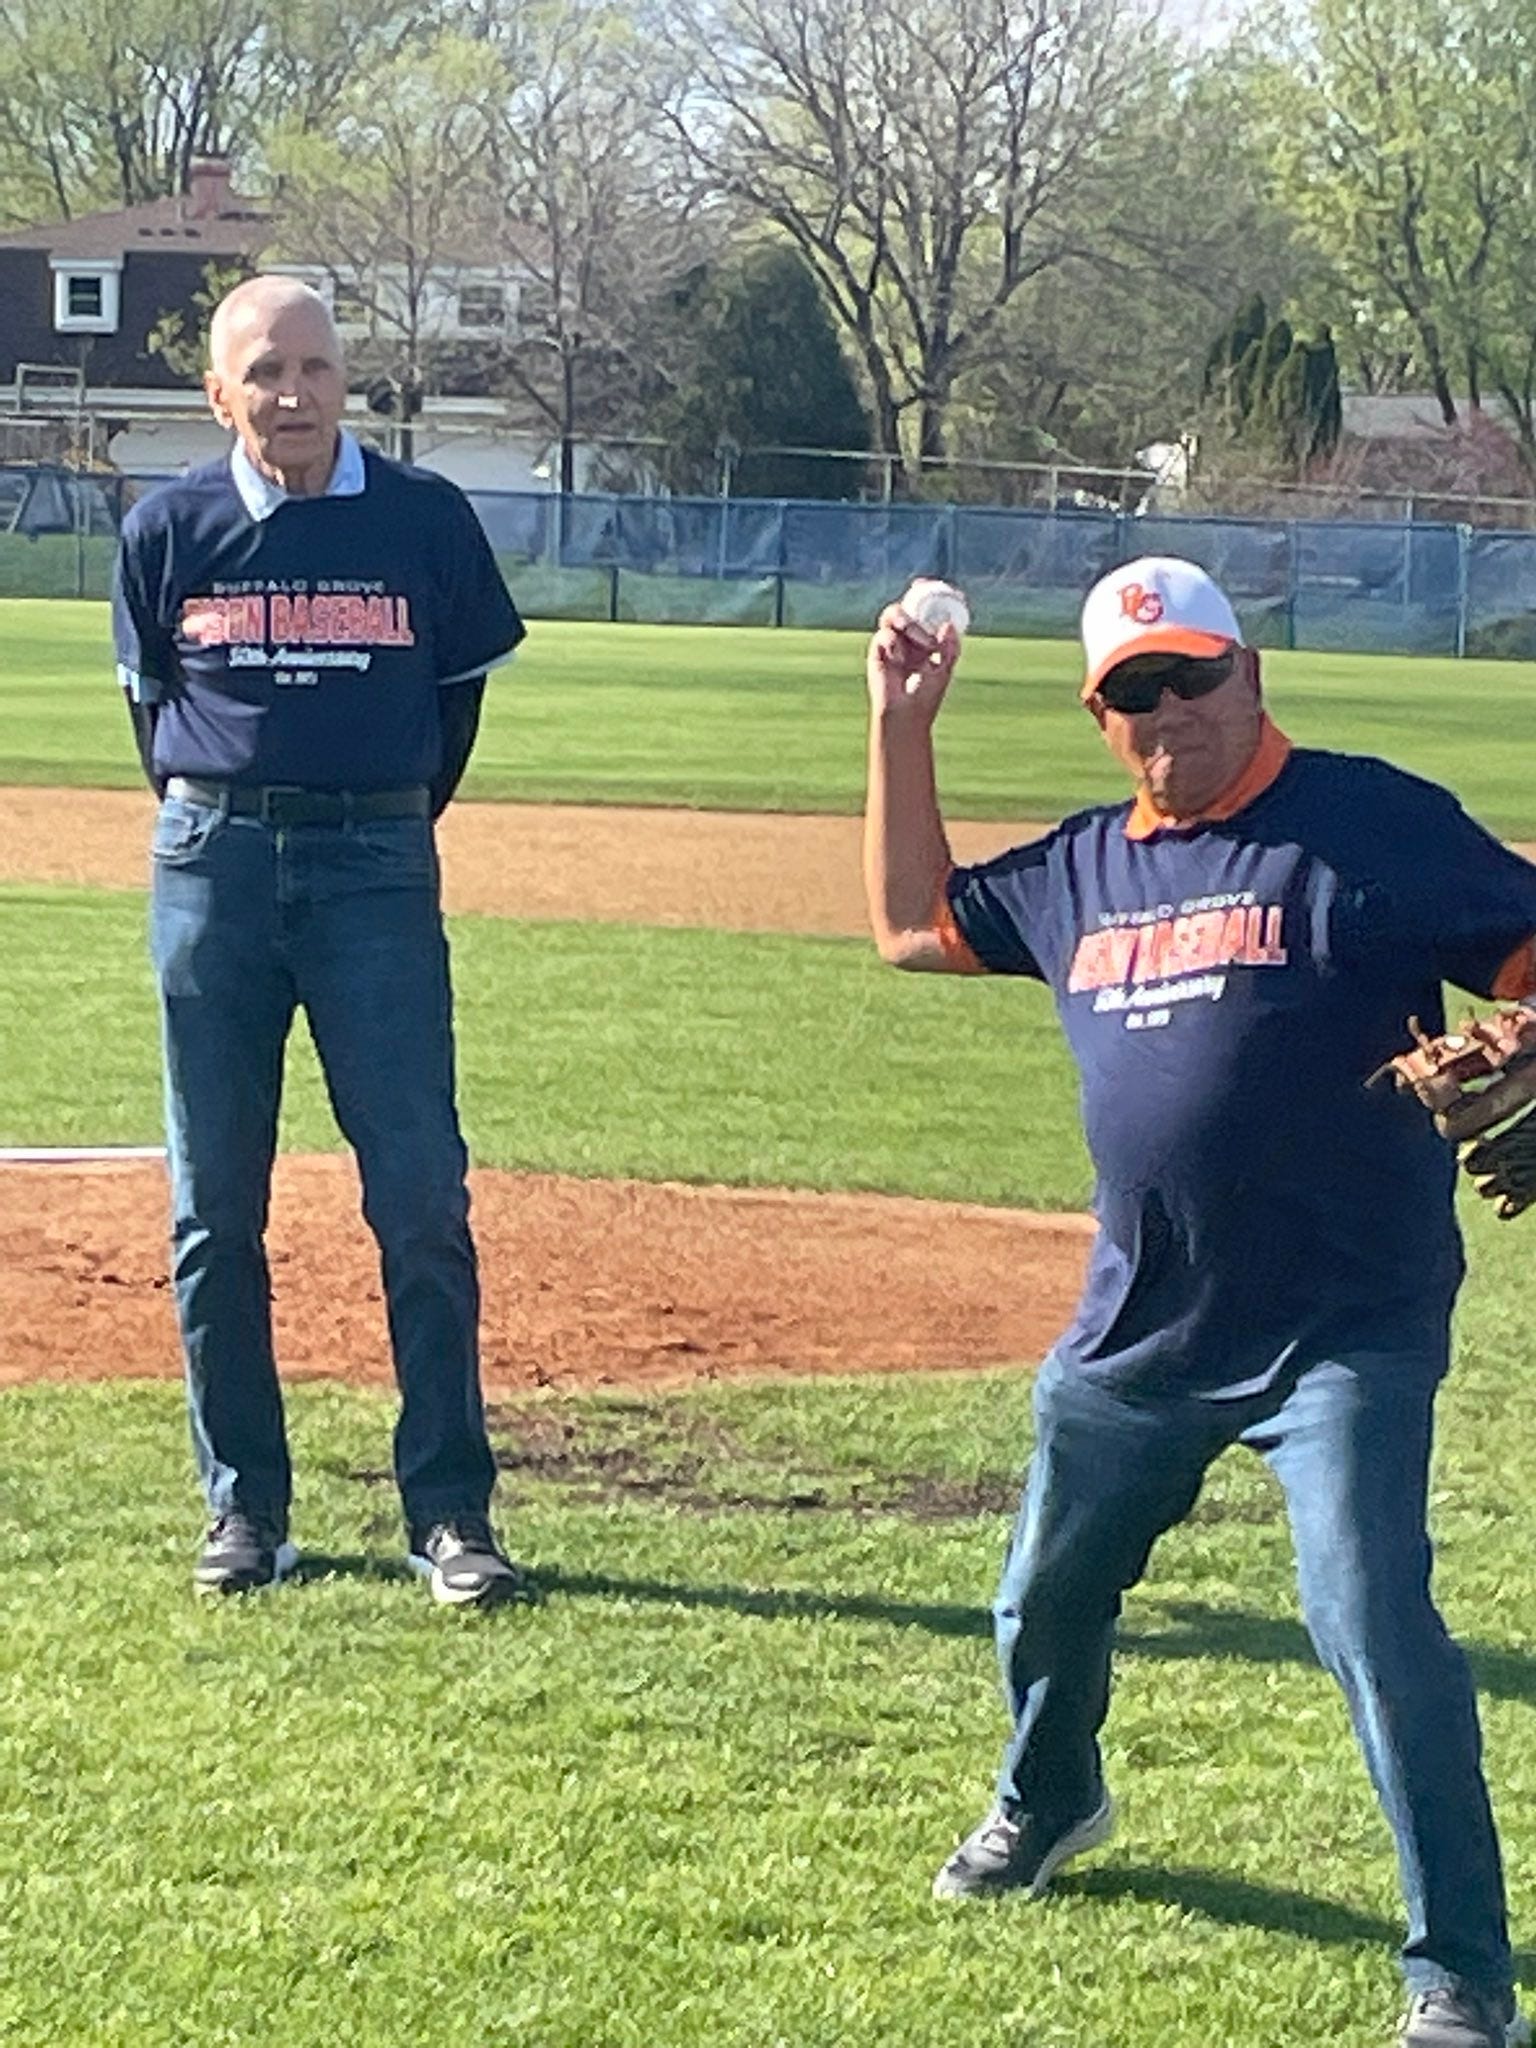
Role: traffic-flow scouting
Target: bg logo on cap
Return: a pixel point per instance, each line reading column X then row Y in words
column 1140, row 604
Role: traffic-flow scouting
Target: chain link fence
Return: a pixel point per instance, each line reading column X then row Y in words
column 1361, row 584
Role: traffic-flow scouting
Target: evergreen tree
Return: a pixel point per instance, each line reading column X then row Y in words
column 1233, row 346
column 1324, row 404
column 766, row 371
column 1275, row 390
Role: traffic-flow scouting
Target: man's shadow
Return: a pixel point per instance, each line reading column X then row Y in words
column 1189, row 1628
column 1192, row 1629
column 315, row 1565
column 1236, row 1903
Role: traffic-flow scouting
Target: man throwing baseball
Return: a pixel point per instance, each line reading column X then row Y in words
column 303, row 631
column 1232, row 954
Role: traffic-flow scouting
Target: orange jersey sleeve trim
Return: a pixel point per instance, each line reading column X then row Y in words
column 1264, row 765
column 1517, row 977
column 956, row 948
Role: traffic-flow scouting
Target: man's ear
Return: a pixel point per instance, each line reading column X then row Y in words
column 1094, row 706
column 1248, row 665
column 213, row 388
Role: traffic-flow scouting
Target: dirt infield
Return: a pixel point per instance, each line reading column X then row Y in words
column 734, row 871
column 586, row 1282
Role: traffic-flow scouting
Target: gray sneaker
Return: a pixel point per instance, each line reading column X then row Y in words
column 244, row 1553
column 1463, row 2018
column 1004, row 1854
column 465, row 1565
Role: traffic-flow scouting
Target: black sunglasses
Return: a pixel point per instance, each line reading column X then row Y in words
column 1137, row 685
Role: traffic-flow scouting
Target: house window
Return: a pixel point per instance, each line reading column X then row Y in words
column 349, row 308
column 85, row 297
column 482, row 306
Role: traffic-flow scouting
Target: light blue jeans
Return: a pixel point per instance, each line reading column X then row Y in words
column 248, row 923
column 1349, row 1440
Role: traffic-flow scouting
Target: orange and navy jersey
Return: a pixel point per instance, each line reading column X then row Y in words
column 1227, row 989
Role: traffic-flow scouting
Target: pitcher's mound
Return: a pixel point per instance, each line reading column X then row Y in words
column 587, row 1282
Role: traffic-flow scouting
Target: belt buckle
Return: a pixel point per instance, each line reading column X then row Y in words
column 270, row 803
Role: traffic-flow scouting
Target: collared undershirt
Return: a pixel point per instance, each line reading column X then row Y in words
column 261, row 495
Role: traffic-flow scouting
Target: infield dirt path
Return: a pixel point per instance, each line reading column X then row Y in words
column 735, row 871
column 586, row 1282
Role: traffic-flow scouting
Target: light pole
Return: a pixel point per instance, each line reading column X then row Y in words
column 728, row 453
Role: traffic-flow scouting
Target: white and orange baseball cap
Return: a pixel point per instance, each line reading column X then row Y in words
column 1156, row 605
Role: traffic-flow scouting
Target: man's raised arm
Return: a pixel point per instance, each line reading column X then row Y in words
column 906, row 850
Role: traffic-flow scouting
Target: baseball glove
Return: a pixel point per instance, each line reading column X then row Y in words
column 1473, row 1080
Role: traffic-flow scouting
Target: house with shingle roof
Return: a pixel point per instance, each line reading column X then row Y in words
column 85, row 294
column 80, row 299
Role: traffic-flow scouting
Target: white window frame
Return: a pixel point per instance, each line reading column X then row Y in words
column 358, row 320
column 109, row 272
column 500, row 327
column 439, row 305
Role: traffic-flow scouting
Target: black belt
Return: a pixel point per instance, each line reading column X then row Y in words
column 283, row 803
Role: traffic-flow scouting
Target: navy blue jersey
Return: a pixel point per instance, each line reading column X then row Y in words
column 307, row 646
column 1227, row 990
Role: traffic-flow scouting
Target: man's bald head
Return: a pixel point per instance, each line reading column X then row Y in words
column 258, row 301
column 277, row 379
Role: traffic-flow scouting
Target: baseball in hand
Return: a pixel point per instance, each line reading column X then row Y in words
column 933, row 603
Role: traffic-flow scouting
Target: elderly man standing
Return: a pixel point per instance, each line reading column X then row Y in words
column 303, row 630
column 1232, row 954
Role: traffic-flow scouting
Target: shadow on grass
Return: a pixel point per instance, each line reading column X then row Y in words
column 771, row 1604
column 314, row 1565
column 1192, row 1629
column 323, row 1564
column 1236, row 1903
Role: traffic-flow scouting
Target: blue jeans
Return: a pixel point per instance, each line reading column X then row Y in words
column 249, row 922
column 1349, row 1441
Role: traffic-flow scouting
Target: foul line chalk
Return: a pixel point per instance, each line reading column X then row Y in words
column 73, row 1155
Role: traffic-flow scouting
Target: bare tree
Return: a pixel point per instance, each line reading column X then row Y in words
column 919, row 153
column 586, row 211
column 105, row 104
column 382, row 196
column 1105, row 351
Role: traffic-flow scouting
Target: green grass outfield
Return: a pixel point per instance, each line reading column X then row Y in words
column 752, row 718
column 663, row 1054
column 696, row 1799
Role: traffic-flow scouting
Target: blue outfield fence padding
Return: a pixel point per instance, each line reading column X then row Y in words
column 1371, row 586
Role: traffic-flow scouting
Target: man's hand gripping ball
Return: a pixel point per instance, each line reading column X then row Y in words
column 915, row 647
column 1472, row 1081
